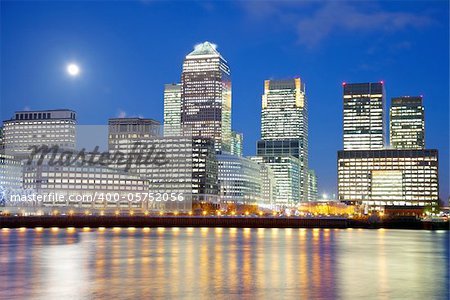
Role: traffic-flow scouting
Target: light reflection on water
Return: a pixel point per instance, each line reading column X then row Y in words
column 223, row 263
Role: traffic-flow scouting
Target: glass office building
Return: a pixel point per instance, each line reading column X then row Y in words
column 206, row 95
column 377, row 178
column 172, row 109
column 363, row 116
column 284, row 133
column 239, row 180
column 407, row 123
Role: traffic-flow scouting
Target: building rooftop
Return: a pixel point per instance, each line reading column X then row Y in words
column 205, row 48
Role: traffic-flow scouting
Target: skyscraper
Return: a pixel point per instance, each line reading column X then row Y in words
column 364, row 121
column 379, row 178
column 407, row 123
column 284, row 131
column 172, row 109
column 206, row 95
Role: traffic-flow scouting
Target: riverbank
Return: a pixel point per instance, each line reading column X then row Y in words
column 210, row 221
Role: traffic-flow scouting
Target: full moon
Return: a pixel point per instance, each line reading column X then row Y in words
column 73, row 70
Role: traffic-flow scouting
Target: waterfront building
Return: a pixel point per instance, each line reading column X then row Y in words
column 172, row 109
column 240, row 180
column 407, row 123
column 286, row 171
column 378, row 178
column 10, row 176
column 284, row 134
column 268, row 187
column 312, row 186
column 237, row 141
column 39, row 127
column 206, row 95
column 81, row 187
column 205, row 185
column 172, row 173
column 363, row 116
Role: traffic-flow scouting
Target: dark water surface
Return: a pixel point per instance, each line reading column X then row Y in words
column 223, row 263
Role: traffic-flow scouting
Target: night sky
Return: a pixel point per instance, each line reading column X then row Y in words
column 127, row 51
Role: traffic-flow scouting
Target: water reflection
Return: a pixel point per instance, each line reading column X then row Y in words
column 223, row 263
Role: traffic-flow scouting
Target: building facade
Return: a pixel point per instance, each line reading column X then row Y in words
column 268, row 181
column 237, row 143
column 80, row 188
column 312, row 186
column 239, row 180
column 206, row 95
column 407, row 123
column 172, row 109
column 363, row 116
column 205, row 185
column 36, row 128
column 284, row 131
column 286, row 171
column 377, row 178
column 166, row 162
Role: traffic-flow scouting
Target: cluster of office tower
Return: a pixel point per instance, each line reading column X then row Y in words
column 278, row 173
column 205, row 159
column 373, row 173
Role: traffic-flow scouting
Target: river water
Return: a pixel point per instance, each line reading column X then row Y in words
column 223, row 263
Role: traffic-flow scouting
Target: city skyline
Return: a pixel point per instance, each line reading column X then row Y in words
column 75, row 93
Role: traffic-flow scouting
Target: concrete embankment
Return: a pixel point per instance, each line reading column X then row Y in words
column 210, row 221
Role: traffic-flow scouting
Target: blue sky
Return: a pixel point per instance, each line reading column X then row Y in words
column 128, row 50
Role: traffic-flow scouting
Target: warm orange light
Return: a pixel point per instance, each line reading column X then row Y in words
column 161, row 213
column 260, row 213
column 204, row 212
column 190, row 213
column 233, row 213
column 146, row 213
column 175, row 213
column 246, row 213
